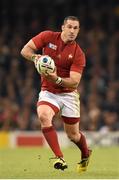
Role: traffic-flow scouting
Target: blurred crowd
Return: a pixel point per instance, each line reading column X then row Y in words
column 20, row 83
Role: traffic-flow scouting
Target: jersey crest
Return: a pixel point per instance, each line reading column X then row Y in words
column 70, row 56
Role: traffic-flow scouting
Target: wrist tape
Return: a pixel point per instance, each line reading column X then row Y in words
column 33, row 57
column 58, row 81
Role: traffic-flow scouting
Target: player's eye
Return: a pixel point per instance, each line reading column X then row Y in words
column 76, row 27
column 69, row 26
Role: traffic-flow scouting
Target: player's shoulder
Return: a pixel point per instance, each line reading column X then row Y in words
column 50, row 33
column 79, row 49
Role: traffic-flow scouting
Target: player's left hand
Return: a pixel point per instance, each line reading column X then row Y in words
column 51, row 76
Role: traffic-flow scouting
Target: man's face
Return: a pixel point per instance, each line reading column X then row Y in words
column 70, row 30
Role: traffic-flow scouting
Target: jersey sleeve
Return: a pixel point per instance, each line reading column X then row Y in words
column 42, row 39
column 79, row 62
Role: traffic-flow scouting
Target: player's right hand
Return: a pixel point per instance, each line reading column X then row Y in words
column 35, row 59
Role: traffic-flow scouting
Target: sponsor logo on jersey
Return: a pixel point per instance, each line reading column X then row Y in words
column 52, row 46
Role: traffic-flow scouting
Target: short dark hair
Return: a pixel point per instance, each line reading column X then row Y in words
column 74, row 18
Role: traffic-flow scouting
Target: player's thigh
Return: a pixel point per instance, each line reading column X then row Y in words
column 45, row 112
column 47, row 104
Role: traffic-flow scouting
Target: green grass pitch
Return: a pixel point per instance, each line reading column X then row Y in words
column 33, row 163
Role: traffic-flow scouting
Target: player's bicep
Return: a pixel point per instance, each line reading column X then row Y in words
column 31, row 45
column 79, row 63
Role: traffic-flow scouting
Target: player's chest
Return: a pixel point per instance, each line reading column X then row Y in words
column 63, row 55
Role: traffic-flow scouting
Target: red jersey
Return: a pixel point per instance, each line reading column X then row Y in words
column 67, row 57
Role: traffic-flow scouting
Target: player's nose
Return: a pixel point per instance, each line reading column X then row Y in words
column 72, row 30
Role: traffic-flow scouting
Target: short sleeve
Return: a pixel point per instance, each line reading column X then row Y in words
column 79, row 61
column 42, row 39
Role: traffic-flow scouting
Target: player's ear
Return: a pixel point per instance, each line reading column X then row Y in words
column 62, row 27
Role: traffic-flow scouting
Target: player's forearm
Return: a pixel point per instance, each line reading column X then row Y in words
column 29, row 51
column 69, row 83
